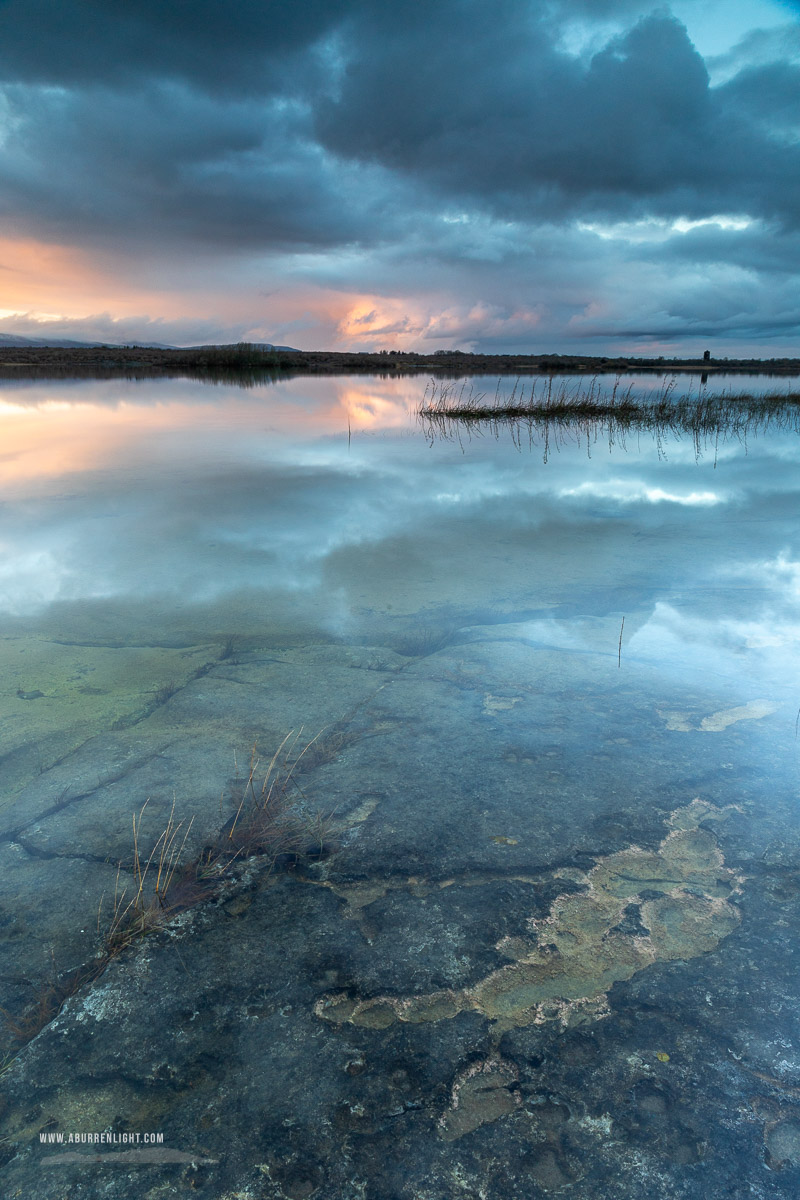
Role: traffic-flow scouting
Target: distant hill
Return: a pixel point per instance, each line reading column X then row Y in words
column 14, row 339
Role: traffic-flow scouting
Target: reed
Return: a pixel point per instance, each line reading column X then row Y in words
column 548, row 409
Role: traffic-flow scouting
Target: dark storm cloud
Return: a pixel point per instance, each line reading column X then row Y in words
column 166, row 160
column 504, row 118
column 238, row 45
column 447, row 145
column 755, row 249
column 235, row 46
column 184, row 122
column 246, row 122
column 768, row 95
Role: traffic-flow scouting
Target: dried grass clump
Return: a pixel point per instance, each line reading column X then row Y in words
column 271, row 822
column 153, row 900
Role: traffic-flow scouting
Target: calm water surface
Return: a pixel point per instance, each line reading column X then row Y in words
column 181, row 510
column 563, row 789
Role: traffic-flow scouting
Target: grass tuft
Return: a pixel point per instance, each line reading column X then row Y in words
column 164, row 693
column 145, row 910
column 228, row 651
column 271, row 822
column 550, row 410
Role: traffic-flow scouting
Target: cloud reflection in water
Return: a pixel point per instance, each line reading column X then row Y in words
column 208, row 509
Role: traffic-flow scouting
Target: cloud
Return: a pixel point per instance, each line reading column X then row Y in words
column 482, row 322
column 516, row 125
column 103, row 327
column 757, row 48
column 379, row 118
column 168, row 163
column 233, row 48
column 455, row 160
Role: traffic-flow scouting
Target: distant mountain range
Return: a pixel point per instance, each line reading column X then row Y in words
column 13, row 339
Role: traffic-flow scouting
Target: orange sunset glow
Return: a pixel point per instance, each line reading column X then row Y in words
column 49, row 437
column 54, row 281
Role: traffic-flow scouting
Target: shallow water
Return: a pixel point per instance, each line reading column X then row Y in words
column 550, row 944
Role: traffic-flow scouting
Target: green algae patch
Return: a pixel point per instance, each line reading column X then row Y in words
column 637, row 907
column 53, row 697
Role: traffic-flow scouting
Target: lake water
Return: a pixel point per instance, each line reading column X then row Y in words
column 546, row 703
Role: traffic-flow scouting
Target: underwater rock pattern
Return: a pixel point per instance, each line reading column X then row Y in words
column 472, row 919
column 717, row 722
column 638, row 907
column 481, row 1093
column 54, row 696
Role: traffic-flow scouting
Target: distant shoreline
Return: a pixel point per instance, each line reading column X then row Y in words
column 232, row 362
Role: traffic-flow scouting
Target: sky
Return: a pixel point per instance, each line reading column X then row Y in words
column 587, row 176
